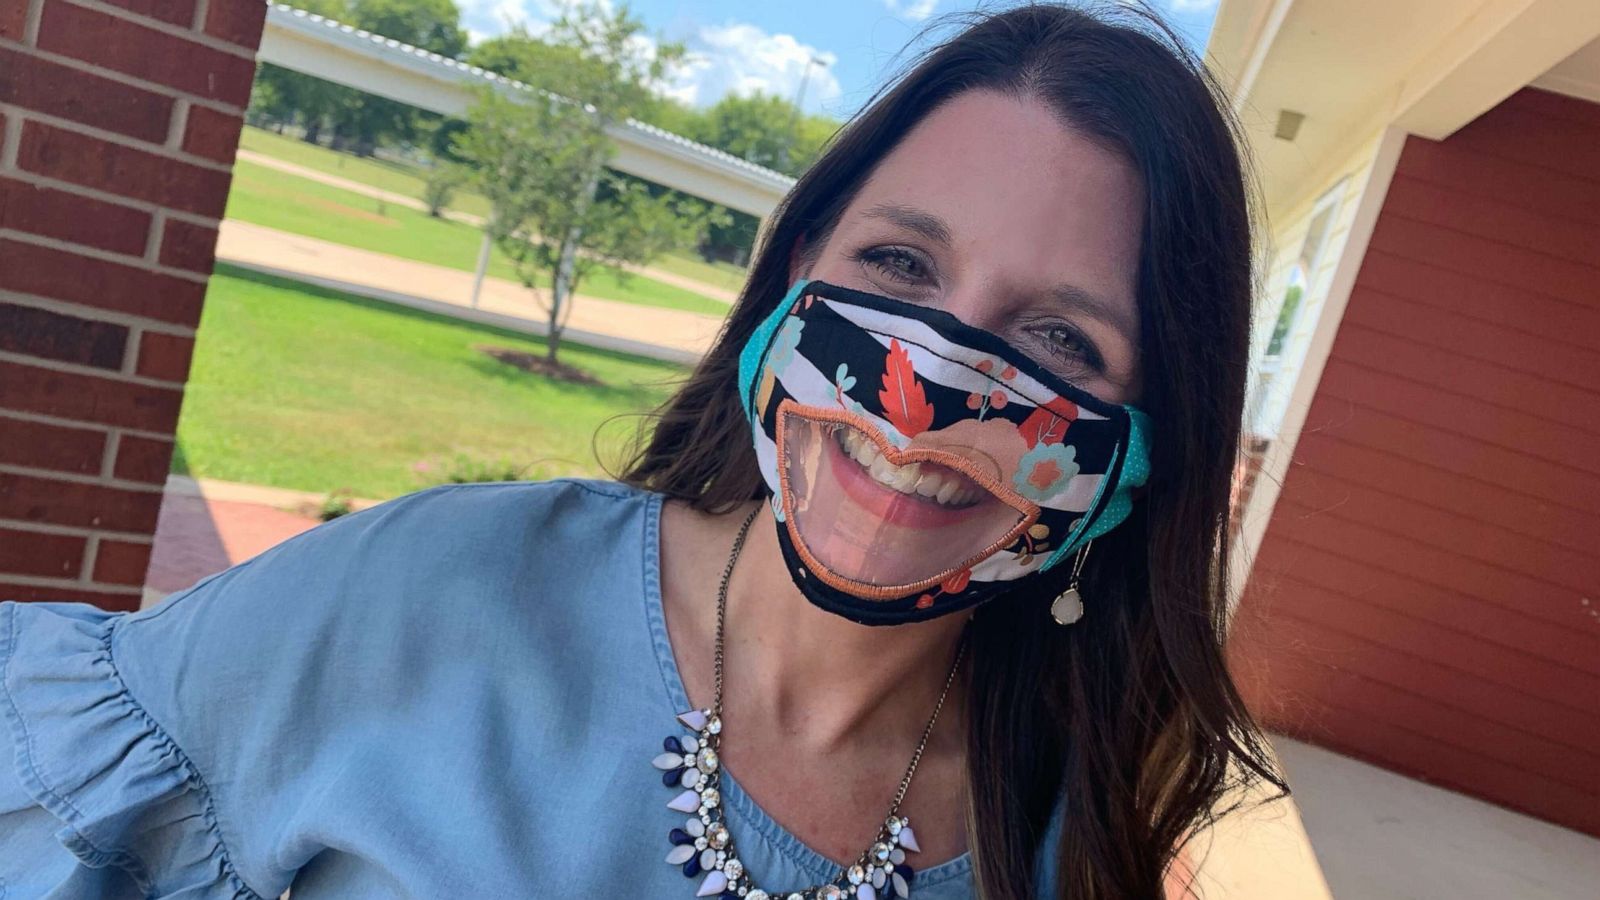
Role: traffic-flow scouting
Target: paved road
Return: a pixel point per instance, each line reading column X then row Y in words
column 677, row 334
column 271, row 162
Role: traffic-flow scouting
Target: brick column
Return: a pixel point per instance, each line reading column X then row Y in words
column 118, row 125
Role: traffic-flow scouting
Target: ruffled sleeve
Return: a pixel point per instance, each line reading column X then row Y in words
column 214, row 745
column 172, row 752
column 98, row 800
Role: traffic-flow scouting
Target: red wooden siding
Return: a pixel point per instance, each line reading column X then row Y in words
column 1427, row 594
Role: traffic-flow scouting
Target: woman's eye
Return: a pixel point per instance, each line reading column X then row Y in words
column 894, row 262
column 1070, row 344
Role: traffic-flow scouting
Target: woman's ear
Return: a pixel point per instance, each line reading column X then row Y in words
column 796, row 257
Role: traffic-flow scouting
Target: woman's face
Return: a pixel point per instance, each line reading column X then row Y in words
column 993, row 211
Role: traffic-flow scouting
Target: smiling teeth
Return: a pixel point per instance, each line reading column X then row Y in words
column 934, row 482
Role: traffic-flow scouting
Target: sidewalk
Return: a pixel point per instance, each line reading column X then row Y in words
column 669, row 334
column 409, row 202
column 206, row 526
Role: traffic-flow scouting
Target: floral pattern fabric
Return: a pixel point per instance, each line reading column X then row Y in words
column 919, row 377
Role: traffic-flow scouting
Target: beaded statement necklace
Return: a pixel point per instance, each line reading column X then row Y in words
column 703, row 847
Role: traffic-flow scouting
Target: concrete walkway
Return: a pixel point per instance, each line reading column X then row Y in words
column 271, row 162
column 205, row 526
column 668, row 334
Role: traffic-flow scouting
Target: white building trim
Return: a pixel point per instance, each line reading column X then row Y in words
column 1330, row 312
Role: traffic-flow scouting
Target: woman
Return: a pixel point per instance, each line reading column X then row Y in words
column 1000, row 324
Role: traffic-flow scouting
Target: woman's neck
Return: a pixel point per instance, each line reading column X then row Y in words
column 816, row 678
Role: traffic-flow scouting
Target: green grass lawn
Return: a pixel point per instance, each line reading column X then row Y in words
column 718, row 274
column 407, row 180
column 298, row 387
column 390, row 176
column 264, row 196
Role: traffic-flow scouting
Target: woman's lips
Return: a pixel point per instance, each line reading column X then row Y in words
column 890, row 505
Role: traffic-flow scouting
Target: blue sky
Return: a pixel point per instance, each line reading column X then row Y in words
column 768, row 45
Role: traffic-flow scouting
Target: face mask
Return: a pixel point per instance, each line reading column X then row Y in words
column 918, row 465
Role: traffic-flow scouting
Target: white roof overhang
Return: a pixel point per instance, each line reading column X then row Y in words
column 309, row 43
column 1354, row 67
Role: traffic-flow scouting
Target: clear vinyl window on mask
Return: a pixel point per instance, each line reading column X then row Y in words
column 881, row 521
column 915, row 461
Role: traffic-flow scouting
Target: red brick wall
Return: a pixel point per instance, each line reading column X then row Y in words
column 118, row 125
column 1427, row 594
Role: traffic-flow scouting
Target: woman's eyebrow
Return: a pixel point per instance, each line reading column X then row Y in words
column 921, row 221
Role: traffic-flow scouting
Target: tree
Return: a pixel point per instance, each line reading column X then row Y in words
column 359, row 121
column 765, row 129
column 283, row 95
column 363, row 121
column 521, row 55
column 430, row 24
column 439, row 187
column 671, row 114
column 812, row 133
column 758, row 128
column 540, row 159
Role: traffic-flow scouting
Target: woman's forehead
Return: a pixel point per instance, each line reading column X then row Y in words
column 1016, row 189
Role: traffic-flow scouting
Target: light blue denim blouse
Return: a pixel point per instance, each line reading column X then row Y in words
column 455, row 694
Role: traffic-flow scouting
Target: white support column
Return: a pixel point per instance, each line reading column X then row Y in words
column 1258, row 510
column 483, row 267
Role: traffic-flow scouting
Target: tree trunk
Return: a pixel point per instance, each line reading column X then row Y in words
column 561, row 285
column 558, row 296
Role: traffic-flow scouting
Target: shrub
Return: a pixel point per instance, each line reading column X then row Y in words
column 464, row 469
column 440, row 187
column 336, row 504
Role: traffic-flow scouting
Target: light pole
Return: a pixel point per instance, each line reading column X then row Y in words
column 800, row 95
column 799, row 98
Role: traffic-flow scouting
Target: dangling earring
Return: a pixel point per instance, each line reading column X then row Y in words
column 1068, row 607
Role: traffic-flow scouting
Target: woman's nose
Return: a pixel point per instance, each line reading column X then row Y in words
column 977, row 303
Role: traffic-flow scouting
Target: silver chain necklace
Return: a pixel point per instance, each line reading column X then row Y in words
column 702, row 846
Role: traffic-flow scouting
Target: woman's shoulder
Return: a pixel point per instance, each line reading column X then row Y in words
column 482, row 515
column 470, row 530
column 553, row 508
column 457, row 553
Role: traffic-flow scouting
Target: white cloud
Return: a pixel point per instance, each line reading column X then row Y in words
column 1185, row 6
column 912, row 10
column 736, row 57
column 487, row 18
column 741, row 58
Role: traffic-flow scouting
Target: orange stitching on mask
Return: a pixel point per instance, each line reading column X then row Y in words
column 789, row 406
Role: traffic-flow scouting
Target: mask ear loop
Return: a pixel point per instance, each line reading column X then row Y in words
column 1067, row 608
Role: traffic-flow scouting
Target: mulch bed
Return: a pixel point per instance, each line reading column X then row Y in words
column 538, row 365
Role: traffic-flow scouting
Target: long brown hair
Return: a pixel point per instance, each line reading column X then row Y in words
column 1128, row 720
